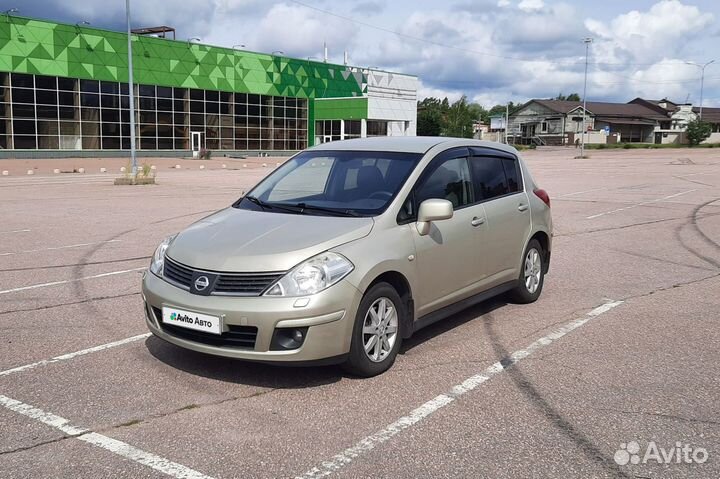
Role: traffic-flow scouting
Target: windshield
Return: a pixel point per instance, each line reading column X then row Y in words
column 339, row 183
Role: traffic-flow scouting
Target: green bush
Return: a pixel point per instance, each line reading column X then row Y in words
column 698, row 131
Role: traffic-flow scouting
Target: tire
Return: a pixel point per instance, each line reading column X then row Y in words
column 532, row 274
column 370, row 357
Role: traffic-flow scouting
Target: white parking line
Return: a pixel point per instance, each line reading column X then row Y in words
column 120, row 448
column 582, row 192
column 367, row 444
column 53, row 248
column 65, row 357
column 55, row 283
column 640, row 204
column 13, row 231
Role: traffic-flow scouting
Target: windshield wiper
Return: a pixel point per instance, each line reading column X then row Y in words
column 337, row 212
column 271, row 206
column 258, row 202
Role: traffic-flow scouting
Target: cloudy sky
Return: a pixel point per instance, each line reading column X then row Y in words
column 493, row 51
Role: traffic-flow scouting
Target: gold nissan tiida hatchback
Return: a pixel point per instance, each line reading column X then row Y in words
column 348, row 248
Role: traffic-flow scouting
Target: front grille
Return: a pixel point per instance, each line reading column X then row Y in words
column 230, row 284
column 246, row 284
column 177, row 273
column 241, row 337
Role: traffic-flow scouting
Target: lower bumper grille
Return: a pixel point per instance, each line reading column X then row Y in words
column 241, row 337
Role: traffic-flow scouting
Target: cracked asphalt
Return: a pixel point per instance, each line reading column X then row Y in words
column 642, row 227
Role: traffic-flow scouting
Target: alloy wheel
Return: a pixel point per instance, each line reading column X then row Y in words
column 533, row 270
column 380, row 329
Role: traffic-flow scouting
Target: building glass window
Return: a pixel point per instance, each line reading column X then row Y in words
column 377, row 128
column 54, row 112
column 352, row 128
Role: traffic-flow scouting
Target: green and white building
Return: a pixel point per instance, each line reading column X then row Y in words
column 64, row 92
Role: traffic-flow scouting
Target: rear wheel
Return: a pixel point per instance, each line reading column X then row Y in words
column 376, row 334
column 532, row 274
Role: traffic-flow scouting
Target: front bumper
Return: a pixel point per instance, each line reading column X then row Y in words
column 329, row 317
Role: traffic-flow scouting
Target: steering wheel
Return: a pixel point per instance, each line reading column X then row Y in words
column 381, row 195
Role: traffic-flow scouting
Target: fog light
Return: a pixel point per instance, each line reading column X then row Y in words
column 288, row 338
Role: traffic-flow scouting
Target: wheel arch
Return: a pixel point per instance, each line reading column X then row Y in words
column 401, row 284
column 544, row 239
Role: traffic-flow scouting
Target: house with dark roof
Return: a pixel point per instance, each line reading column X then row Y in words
column 560, row 122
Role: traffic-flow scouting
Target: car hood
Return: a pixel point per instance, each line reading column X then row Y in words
column 236, row 240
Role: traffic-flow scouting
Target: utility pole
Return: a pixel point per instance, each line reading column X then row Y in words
column 131, row 92
column 587, row 42
column 702, row 80
column 507, row 121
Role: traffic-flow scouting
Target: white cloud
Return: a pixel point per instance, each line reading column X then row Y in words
column 662, row 30
column 531, row 5
column 293, row 29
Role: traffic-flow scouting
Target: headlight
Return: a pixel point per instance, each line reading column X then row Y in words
column 158, row 260
column 312, row 276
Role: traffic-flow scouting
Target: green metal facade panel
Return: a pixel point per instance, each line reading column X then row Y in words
column 46, row 48
column 341, row 109
column 311, row 123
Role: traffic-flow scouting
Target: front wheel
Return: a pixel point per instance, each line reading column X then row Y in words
column 376, row 334
column 532, row 274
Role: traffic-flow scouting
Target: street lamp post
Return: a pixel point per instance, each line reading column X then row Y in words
column 701, row 66
column 587, row 42
column 131, row 92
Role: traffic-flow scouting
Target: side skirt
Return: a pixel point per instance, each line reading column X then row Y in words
column 455, row 308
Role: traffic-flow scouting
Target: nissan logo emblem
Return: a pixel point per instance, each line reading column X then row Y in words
column 201, row 283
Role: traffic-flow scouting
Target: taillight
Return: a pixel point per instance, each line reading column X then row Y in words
column 542, row 194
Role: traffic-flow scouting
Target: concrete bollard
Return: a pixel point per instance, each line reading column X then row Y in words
column 5, row 173
column 31, row 172
column 202, row 167
column 264, row 165
column 277, row 164
column 244, row 165
column 103, row 170
column 56, row 171
column 177, row 167
column 81, row 170
column 224, row 166
column 123, row 169
column 153, row 167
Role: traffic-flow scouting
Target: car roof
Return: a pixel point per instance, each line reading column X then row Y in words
column 408, row 144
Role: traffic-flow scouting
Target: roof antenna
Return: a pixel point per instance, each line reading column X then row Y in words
column 325, row 57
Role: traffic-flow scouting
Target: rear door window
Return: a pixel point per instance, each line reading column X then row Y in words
column 512, row 174
column 489, row 177
column 495, row 176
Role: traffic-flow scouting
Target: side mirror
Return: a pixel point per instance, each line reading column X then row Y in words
column 432, row 210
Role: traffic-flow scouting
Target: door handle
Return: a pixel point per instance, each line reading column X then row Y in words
column 477, row 221
column 522, row 207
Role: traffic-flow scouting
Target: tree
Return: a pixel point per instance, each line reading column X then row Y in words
column 430, row 116
column 501, row 109
column 458, row 121
column 478, row 112
column 698, row 131
column 570, row 97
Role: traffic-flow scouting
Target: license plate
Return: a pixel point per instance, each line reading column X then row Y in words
column 190, row 320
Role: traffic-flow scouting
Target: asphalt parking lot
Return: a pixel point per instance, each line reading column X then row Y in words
column 622, row 347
